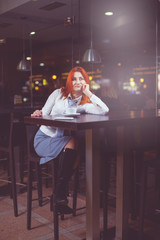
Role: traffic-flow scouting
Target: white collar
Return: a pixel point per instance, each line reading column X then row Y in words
column 78, row 99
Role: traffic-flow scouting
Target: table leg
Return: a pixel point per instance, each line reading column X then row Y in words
column 92, row 185
column 17, row 163
column 121, row 188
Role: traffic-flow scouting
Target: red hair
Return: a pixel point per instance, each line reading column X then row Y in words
column 68, row 89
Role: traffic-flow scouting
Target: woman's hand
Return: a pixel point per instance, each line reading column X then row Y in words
column 37, row 113
column 86, row 91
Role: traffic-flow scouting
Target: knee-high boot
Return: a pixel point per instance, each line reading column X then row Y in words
column 66, row 163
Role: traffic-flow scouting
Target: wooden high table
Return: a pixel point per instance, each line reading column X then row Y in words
column 122, row 121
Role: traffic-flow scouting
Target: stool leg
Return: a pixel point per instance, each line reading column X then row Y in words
column 9, row 167
column 105, row 211
column 159, row 194
column 105, row 183
column 46, row 180
column 39, row 182
column 142, row 200
column 13, row 182
column 55, row 220
column 55, row 210
column 29, row 195
column 133, row 189
column 21, row 164
column 75, row 187
column 157, row 188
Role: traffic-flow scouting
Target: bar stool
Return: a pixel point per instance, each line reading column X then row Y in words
column 144, row 155
column 108, row 162
column 154, row 164
column 106, row 173
column 143, row 142
column 34, row 159
column 11, row 136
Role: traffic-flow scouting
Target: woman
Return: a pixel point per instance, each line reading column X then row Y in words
column 51, row 142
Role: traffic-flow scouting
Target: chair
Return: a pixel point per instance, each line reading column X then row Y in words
column 11, row 135
column 34, row 159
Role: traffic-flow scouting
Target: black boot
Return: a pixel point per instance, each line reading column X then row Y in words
column 66, row 163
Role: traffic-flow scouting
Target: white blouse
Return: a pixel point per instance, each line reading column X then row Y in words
column 57, row 104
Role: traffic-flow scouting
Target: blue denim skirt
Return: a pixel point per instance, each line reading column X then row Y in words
column 48, row 147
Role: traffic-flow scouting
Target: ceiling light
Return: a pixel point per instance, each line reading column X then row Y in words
column 2, row 40
column 108, row 13
column 32, row 33
column 106, row 41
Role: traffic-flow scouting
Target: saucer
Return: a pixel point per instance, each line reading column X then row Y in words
column 71, row 114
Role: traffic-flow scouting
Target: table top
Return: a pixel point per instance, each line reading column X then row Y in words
column 90, row 121
column 19, row 108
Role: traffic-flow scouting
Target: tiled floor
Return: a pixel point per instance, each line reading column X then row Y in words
column 14, row 228
column 71, row 228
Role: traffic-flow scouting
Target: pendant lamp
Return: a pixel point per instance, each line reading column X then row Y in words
column 23, row 65
column 91, row 55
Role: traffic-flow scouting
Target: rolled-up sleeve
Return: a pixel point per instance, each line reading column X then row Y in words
column 95, row 107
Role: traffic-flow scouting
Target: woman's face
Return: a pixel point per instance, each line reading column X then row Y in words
column 78, row 81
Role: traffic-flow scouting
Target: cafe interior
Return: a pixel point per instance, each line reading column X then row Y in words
column 118, row 44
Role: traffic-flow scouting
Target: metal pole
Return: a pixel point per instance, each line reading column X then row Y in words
column 31, row 89
column 157, row 57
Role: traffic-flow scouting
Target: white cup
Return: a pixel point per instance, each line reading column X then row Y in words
column 71, row 110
